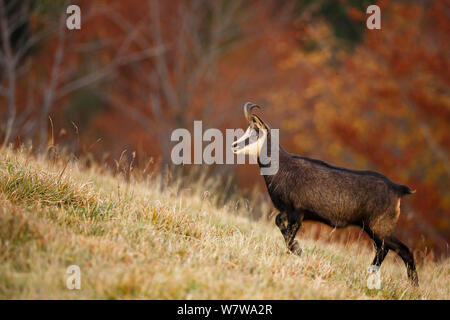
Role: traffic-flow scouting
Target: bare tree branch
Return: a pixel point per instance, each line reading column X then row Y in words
column 107, row 70
column 49, row 94
column 8, row 62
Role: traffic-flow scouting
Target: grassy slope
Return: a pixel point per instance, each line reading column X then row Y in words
column 135, row 241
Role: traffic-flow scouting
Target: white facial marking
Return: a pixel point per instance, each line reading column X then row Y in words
column 255, row 145
column 246, row 135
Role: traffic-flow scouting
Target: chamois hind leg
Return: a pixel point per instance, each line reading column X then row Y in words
column 408, row 258
column 289, row 225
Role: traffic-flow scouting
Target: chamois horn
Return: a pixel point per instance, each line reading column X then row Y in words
column 248, row 110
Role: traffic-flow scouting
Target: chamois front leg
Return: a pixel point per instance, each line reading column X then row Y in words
column 381, row 252
column 289, row 225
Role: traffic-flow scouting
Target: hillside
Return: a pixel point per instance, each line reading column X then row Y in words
column 138, row 239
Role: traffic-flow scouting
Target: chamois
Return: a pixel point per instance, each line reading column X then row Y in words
column 309, row 189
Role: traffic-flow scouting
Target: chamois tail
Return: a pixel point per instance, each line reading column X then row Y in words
column 404, row 190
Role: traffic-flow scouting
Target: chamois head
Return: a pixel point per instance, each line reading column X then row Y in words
column 255, row 136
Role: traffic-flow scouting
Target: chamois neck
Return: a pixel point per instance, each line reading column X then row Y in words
column 274, row 161
column 281, row 153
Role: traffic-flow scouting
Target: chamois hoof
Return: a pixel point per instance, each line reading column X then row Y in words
column 413, row 278
column 295, row 249
column 373, row 269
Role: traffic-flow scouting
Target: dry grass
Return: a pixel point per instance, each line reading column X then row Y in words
column 138, row 239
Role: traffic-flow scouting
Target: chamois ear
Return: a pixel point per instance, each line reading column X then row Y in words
column 259, row 123
column 253, row 120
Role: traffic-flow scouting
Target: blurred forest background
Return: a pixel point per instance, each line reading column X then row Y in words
column 358, row 98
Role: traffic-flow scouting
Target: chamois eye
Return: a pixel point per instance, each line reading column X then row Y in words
column 255, row 133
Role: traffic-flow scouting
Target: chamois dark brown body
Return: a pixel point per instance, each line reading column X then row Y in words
column 336, row 196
